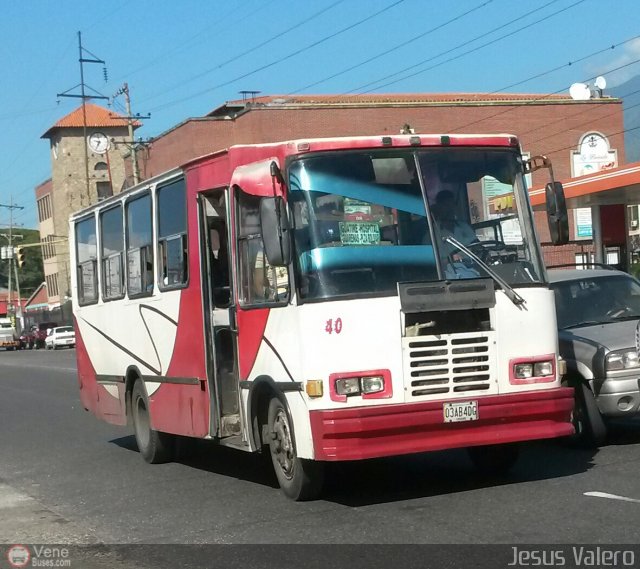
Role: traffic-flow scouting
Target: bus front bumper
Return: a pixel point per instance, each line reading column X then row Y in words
column 386, row 430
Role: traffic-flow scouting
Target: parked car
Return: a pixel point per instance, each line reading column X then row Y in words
column 62, row 336
column 28, row 338
column 40, row 333
column 598, row 313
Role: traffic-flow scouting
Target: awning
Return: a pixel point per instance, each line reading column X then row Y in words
column 615, row 186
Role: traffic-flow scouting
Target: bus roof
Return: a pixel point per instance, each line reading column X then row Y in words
column 305, row 145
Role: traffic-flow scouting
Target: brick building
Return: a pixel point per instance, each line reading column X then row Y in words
column 555, row 125
column 103, row 134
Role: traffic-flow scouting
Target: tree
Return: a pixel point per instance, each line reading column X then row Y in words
column 32, row 273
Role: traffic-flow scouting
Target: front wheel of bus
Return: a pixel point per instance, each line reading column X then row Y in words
column 494, row 460
column 155, row 447
column 299, row 479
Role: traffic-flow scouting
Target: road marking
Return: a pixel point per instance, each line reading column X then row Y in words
column 611, row 497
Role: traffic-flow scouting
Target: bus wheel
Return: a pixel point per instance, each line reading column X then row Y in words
column 494, row 460
column 299, row 479
column 155, row 447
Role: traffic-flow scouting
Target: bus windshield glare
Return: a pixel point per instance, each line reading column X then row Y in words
column 361, row 225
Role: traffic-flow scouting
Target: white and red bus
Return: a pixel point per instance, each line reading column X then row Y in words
column 313, row 299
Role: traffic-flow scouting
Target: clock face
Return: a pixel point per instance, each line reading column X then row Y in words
column 98, row 142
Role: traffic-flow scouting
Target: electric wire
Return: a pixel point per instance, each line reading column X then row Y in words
column 282, row 59
column 392, row 49
column 271, row 39
column 470, row 51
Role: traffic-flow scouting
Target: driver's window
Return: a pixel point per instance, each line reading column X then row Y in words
column 260, row 282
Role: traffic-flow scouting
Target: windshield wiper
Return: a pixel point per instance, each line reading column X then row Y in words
column 508, row 290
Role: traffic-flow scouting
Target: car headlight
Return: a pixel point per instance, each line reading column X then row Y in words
column 622, row 359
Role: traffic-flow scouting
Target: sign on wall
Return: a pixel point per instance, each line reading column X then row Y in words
column 593, row 154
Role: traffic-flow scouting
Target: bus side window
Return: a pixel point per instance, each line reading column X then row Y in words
column 86, row 260
column 172, row 234
column 139, row 249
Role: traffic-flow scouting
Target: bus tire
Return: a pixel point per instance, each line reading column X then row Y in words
column 154, row 446
column 591, row 431
column 494, row 460
column 299, row 479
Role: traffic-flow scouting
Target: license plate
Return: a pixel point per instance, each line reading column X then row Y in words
column 464, row 411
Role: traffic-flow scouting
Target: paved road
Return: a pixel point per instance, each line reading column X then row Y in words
column 89, row 485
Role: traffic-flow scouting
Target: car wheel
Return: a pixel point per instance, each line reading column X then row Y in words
column 494, row 460
column 154, row 446
column 54, row 346
column 299, row 479
column 591, row 431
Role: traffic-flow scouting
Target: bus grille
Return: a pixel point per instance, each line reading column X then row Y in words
column 448, row 366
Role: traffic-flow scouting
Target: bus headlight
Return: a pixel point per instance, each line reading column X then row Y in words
column 623, row 359
column 537, row 369
column 523, row 371
column 348, row 386
column 374, row 384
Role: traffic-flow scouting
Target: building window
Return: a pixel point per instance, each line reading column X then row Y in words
column 172, row 234
column 44, row 208
column 139, row 246
column 100, row 167
column 86, row 260
column 112, row 240
column 104, row 190
column 52, row 284
column 48, row 247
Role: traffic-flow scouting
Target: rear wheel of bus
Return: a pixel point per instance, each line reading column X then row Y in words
column 299, row 479
column 155, row 447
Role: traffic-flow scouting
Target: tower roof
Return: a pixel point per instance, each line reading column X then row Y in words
column 97, row 117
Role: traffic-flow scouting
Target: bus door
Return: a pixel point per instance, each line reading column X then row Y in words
column 219, row 313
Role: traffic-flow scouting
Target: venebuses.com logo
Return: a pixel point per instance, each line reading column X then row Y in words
column 18, row 556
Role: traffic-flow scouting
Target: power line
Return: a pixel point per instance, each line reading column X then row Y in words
column 581, row 112
column 193, row 38
column 284, row 58
column 358, row 90
column 544, row 97
column 276, row 36
column 395, row 48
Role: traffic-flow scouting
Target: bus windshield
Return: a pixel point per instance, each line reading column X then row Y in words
column 361, row 225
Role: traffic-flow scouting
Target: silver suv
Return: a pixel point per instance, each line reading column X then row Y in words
column 598, row 312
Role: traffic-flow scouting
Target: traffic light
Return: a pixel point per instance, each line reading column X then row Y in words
column 20, row 256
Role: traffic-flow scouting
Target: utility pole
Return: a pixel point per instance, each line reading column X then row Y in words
column 10, row 256
column 83, row 95
column 124, row 90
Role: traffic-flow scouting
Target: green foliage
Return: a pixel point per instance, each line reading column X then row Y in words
column 32, row 274
column 635, row 270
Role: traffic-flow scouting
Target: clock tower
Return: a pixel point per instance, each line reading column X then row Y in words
column 105, row 147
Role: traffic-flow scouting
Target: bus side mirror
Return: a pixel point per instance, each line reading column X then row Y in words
column 276, row 232
column 557, row 213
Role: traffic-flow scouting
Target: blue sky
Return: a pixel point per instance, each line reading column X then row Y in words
column 184, row 58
